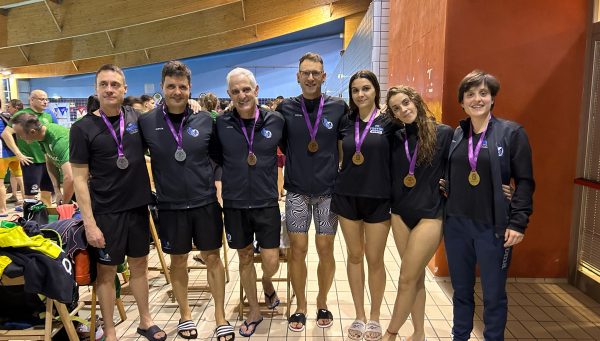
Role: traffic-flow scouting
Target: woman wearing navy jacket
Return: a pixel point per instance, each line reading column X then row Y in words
column 482, row 225
column 418, row 159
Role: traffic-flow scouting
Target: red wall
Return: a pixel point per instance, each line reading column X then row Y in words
column 536, row 48
column 416, row 48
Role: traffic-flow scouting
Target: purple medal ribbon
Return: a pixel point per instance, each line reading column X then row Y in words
column 112, row 131
column 243, row 126
column 412, row 161
column 359, row 140
column 473, row 155
column 177, row 135
column 312, row 130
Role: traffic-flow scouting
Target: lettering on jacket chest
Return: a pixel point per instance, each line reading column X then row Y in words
column 376, row 129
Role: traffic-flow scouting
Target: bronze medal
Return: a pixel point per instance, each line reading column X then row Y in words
column 313, row 146
column 358, row 158
column 252, row 159
column 474, row 178
column 410, row 180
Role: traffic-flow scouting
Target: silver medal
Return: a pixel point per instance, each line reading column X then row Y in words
column 180, row 154
column 122, row 162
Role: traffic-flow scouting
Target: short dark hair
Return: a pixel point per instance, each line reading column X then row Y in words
column 145, row 98
column 476, row 78
column 110, row 67
column 93, row 104
column 370, row 76
column 315, row 57
column 26, row 120
column 131, row 100
column 16, row 103
column 175, row 68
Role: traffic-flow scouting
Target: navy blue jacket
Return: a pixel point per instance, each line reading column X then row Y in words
column 246, row 186
column 189, row 183
column 511, row 161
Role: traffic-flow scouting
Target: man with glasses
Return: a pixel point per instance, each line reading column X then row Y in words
column 35, row 173
column 312, row 131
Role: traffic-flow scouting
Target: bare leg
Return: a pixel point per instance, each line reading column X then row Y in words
column 325, row 270
column 297, row 264
column 105, row 287
column 216, row 281
column 2, row 198
column 138, row 282
column 376, row 238
column 248, row 280
column 416, row 248
column 20, row 186
column 179, row 283
column 270, row 265
column 354, row 235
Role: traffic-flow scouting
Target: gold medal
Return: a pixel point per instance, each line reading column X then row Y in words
column 252, row 159
column 474, row 178
column 358, row 158
column 410, row 181
column 313, row 146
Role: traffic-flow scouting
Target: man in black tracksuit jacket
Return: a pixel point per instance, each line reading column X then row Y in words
column 180, row 143
column 248, row 138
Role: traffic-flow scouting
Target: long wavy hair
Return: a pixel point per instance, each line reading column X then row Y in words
column 425, row 121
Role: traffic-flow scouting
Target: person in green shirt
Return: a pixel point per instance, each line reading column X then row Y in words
column 54, row 140
column 35, row 175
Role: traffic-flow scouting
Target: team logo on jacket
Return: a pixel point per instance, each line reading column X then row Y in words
column 193, row 132
column 327, row 124
column 500, row 151
column 376, row 129
column 266, row 133
column 132, row 128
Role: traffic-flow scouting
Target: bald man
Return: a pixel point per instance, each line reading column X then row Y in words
column 35, row 173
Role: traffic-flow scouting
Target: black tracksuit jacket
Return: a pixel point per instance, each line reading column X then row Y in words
column 246, row 186
column 511, row 160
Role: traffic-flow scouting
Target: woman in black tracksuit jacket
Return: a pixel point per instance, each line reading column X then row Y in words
column 481, row 224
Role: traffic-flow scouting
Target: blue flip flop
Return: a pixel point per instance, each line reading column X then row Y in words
column 248, row 325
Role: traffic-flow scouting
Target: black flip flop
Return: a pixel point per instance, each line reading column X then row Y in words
column 149, row 333
column 274, row 303
column 248, row 325
column 324, row 314
column 297, row 318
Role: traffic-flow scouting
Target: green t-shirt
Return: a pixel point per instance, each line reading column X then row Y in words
column 34, row 149
column 56, row 143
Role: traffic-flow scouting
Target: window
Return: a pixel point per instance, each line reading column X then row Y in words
column 6, row 82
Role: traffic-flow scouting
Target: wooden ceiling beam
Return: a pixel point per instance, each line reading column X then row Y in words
column 58, row 26
column 243, row 11
column 112, row 44
column 89, row 17
column 204, row 45
column 215, row 21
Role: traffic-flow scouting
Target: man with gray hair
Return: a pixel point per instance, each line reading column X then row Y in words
column 35, row 173
column 248, row 137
